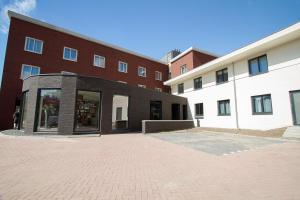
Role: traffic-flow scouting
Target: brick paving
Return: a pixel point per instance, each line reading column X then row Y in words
column 136, row 166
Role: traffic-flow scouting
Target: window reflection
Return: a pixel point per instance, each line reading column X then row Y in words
column 49, row 100
column 87, row 111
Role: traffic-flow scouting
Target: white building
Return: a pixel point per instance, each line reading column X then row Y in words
column 255, row 87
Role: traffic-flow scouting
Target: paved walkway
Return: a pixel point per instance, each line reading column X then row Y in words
column 136, row 166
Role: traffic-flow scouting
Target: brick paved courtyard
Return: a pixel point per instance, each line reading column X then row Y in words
column 136, row 166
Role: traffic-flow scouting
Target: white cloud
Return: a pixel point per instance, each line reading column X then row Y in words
column 24, row 7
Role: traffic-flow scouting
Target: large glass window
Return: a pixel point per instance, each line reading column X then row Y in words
column 155, row 110
column 262, row 104
column 70, row 54
column 222, row 76
column 87, row 111
column 224, row 107
column 24, row 110
column 28, row 70
column 120, row 112
column 48, row 109
column 33, row 45
column 198, row 83
column 258, row 65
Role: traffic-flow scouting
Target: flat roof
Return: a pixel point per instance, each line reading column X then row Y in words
column 283, row 36
column 193, row 49
column 69, row 32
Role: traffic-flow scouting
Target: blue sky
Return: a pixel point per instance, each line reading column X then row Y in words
column 155, row 27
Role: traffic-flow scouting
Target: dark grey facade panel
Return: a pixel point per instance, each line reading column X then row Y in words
column 138, row 108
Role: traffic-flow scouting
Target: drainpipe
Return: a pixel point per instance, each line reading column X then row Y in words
column 235, row 98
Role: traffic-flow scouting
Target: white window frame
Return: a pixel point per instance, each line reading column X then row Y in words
column 145, row 71
column 101, row 57
column 159, row 77
column 33, row 45
column 68, row 58
column 119, row 67
column 158, row 89
column 31, row 66
column 141, row 86
column 183, row 69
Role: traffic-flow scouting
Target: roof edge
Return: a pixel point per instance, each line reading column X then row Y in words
column 218, row 61
column 69, row 32
column 193, row 49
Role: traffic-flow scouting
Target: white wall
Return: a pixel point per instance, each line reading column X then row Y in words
column 120, row 101
column 283, row 76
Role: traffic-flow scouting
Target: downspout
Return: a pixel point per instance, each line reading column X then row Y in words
column 235, row 98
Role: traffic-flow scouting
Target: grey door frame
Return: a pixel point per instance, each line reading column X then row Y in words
column 293, row 106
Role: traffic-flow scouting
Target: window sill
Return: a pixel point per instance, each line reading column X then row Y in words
column 195, row 89
column 263, row 113
column 199, row 117
column 251, row 75
column 222, row 83
column 224, row 115
column 69, row 60
column 34, row 52
column 99, row 66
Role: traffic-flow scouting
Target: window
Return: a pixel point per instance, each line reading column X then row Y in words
column 158, row 76
column 158, row 89
column 99, row 61
column 262, row 104
column 33, row 45
column 198, row 110
column 198, row 83
column 70, row 54
column 142, row 71
column 142, row 86
column 48, row 109
column 122, row 67
column 222, row 76
column 180, row 88
column 183, row 69
column 258, row 65
column 28, row 70
column 87, row 110
column 224, row 107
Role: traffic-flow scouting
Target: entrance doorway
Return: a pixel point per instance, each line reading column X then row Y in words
column 175, row 111
column 155, row 110
column 295, row 103
column 120, row 112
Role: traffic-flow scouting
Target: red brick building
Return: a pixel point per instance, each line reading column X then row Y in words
column 36, row 47
column 188, row 60
column 50, row 60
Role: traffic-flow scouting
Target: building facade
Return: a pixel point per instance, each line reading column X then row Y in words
column 76, row 104
column 36, row 47
column 255, row 87
column 188, row 60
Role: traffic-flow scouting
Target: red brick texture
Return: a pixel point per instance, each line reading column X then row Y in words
column 51, row 62
column 192, row 60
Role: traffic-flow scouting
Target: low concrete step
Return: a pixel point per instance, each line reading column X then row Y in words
column 292, row 132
